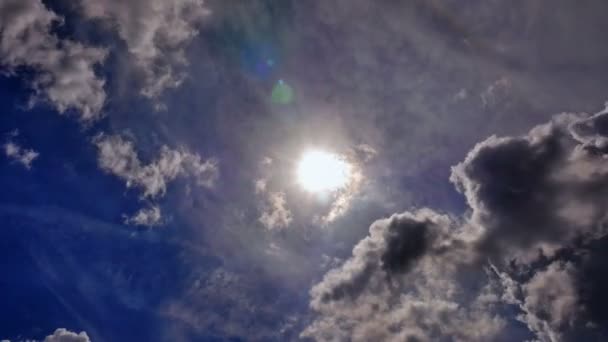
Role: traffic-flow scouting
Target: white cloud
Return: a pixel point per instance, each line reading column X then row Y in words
column 65, row 74
column 19, row 154
column 149, row 217
column 156, row 33
column 63, row 335
column 118, row 157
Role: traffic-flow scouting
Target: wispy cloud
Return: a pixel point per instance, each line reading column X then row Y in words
column 21, row 155
column 117, row 156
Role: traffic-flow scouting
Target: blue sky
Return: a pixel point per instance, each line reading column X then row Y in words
column 149, row 170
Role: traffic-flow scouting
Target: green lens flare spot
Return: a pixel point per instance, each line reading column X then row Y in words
column 282, row 93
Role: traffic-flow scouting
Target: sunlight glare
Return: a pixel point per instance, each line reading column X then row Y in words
column 320, row 171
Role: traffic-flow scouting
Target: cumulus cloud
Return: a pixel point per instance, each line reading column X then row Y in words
column 117, row 156
column 64, row 69
column 536, row 192
column 156, row 34
column 397, row 286
column 63, row 335
column 18, row 154
column 537, row 202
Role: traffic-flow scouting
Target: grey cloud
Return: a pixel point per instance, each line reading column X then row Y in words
column 531, row 198
column 65, row 73
column 63, row 335
column 549, row 301
column 398, row 286
column 536, row 192
column 156, row 34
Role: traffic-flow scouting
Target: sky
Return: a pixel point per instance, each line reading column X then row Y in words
column 336, row 170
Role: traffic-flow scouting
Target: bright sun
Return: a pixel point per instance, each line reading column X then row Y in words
column 320, row 171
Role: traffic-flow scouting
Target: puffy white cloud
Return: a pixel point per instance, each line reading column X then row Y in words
column 65, row 74
column 63, row 335
column 156, row 33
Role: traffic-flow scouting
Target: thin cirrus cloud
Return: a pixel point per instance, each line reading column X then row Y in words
column 65, row 74
column 536, row 211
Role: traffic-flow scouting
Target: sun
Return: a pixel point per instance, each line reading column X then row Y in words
column 321, row 171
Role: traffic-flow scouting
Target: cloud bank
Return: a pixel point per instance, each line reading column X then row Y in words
column 537, row 205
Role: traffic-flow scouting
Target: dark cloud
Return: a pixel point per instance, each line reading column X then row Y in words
column 537, row 205
column 406, row 241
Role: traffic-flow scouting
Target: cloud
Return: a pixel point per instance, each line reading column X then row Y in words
column 537, row 203
column 19, row 154
column 148, row 217
column 156, row 34
column 117, row 156
column 536, row 192
column 276, row 214
column 398, row 286
column 64, row 69
column 63, row 335
column 549, row 300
